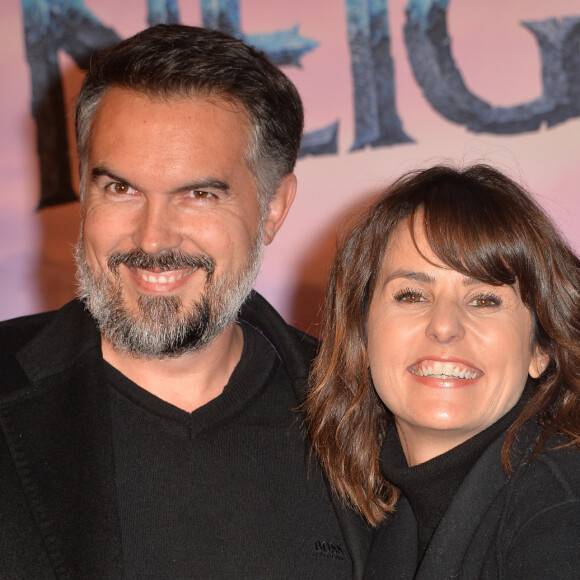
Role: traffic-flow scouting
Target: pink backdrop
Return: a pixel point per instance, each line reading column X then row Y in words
column 499, row 60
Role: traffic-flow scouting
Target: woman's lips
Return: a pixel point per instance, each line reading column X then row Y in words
column 444, row 373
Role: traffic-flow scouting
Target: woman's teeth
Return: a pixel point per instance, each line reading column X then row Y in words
column 444, row 370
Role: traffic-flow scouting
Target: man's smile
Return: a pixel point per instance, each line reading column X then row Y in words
column 163, row 277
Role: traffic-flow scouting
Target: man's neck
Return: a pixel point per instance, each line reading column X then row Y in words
column 188, row 381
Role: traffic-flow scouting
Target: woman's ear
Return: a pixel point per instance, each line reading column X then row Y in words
column 538, row 363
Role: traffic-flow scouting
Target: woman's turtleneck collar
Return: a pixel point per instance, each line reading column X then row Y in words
column 430, row 486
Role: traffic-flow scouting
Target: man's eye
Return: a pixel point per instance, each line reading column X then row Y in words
column 121, row 188
column 200, row 194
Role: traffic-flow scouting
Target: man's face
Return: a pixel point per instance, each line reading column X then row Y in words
column 172, row 234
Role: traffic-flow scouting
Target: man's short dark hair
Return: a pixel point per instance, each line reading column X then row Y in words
column 174, row 60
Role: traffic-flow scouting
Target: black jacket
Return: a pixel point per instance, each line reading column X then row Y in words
column 58, row 505
column 526, row 526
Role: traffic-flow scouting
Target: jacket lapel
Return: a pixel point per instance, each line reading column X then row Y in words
column 397, row 539
column 450, row 542
column 57, row 427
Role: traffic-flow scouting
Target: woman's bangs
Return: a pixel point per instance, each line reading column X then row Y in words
column 475, row 243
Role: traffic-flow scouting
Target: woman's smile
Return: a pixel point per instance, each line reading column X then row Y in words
column 445, row 369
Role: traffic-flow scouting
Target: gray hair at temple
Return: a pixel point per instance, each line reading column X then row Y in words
column 179, row 61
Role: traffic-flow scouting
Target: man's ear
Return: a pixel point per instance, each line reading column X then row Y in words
column 278, row 206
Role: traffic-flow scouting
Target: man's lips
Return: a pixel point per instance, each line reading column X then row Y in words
column 163, row 277
column 166, row 263
column 445, row 370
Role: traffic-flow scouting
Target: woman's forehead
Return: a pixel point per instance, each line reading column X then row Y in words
column 413, row 243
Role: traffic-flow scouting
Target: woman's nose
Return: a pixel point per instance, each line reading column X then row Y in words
column 446, row 322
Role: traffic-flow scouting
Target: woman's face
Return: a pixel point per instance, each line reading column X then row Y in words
column 449, row 355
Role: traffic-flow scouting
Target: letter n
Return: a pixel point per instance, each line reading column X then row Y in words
column 50, row 26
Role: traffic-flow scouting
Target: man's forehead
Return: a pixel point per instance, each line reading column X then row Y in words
column 207, row 116
column 122, row 96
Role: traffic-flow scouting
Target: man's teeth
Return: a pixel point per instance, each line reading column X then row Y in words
column 164, row 278
column 444, row 370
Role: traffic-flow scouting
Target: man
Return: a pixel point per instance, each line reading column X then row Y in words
column 148, row 429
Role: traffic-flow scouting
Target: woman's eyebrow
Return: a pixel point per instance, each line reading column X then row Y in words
column 411, row 275
column 469, row 281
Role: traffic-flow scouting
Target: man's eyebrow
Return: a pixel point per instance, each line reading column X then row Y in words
column 204, row 183
column 411, row 275
column 101, row 171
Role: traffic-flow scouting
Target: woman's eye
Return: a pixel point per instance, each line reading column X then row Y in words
column 410, row 297
column 486, row 301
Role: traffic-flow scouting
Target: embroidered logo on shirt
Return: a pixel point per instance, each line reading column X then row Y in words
column 328, row 550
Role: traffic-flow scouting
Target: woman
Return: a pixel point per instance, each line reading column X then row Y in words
column 445, row 399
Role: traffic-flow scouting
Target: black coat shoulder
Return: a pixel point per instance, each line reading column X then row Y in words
column 15, row 334
column 44, row 343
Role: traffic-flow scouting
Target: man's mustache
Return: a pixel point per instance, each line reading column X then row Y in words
column 165, row 260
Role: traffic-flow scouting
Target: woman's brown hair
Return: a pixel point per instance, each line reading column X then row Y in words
column 484, row 225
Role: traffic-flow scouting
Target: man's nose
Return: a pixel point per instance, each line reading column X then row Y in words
column 157, row 229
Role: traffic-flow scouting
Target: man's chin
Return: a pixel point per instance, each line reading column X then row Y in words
column 159, row 327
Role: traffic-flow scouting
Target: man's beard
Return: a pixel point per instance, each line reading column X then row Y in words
column 164, row 326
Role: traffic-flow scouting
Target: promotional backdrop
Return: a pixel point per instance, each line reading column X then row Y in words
column 388, row 86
